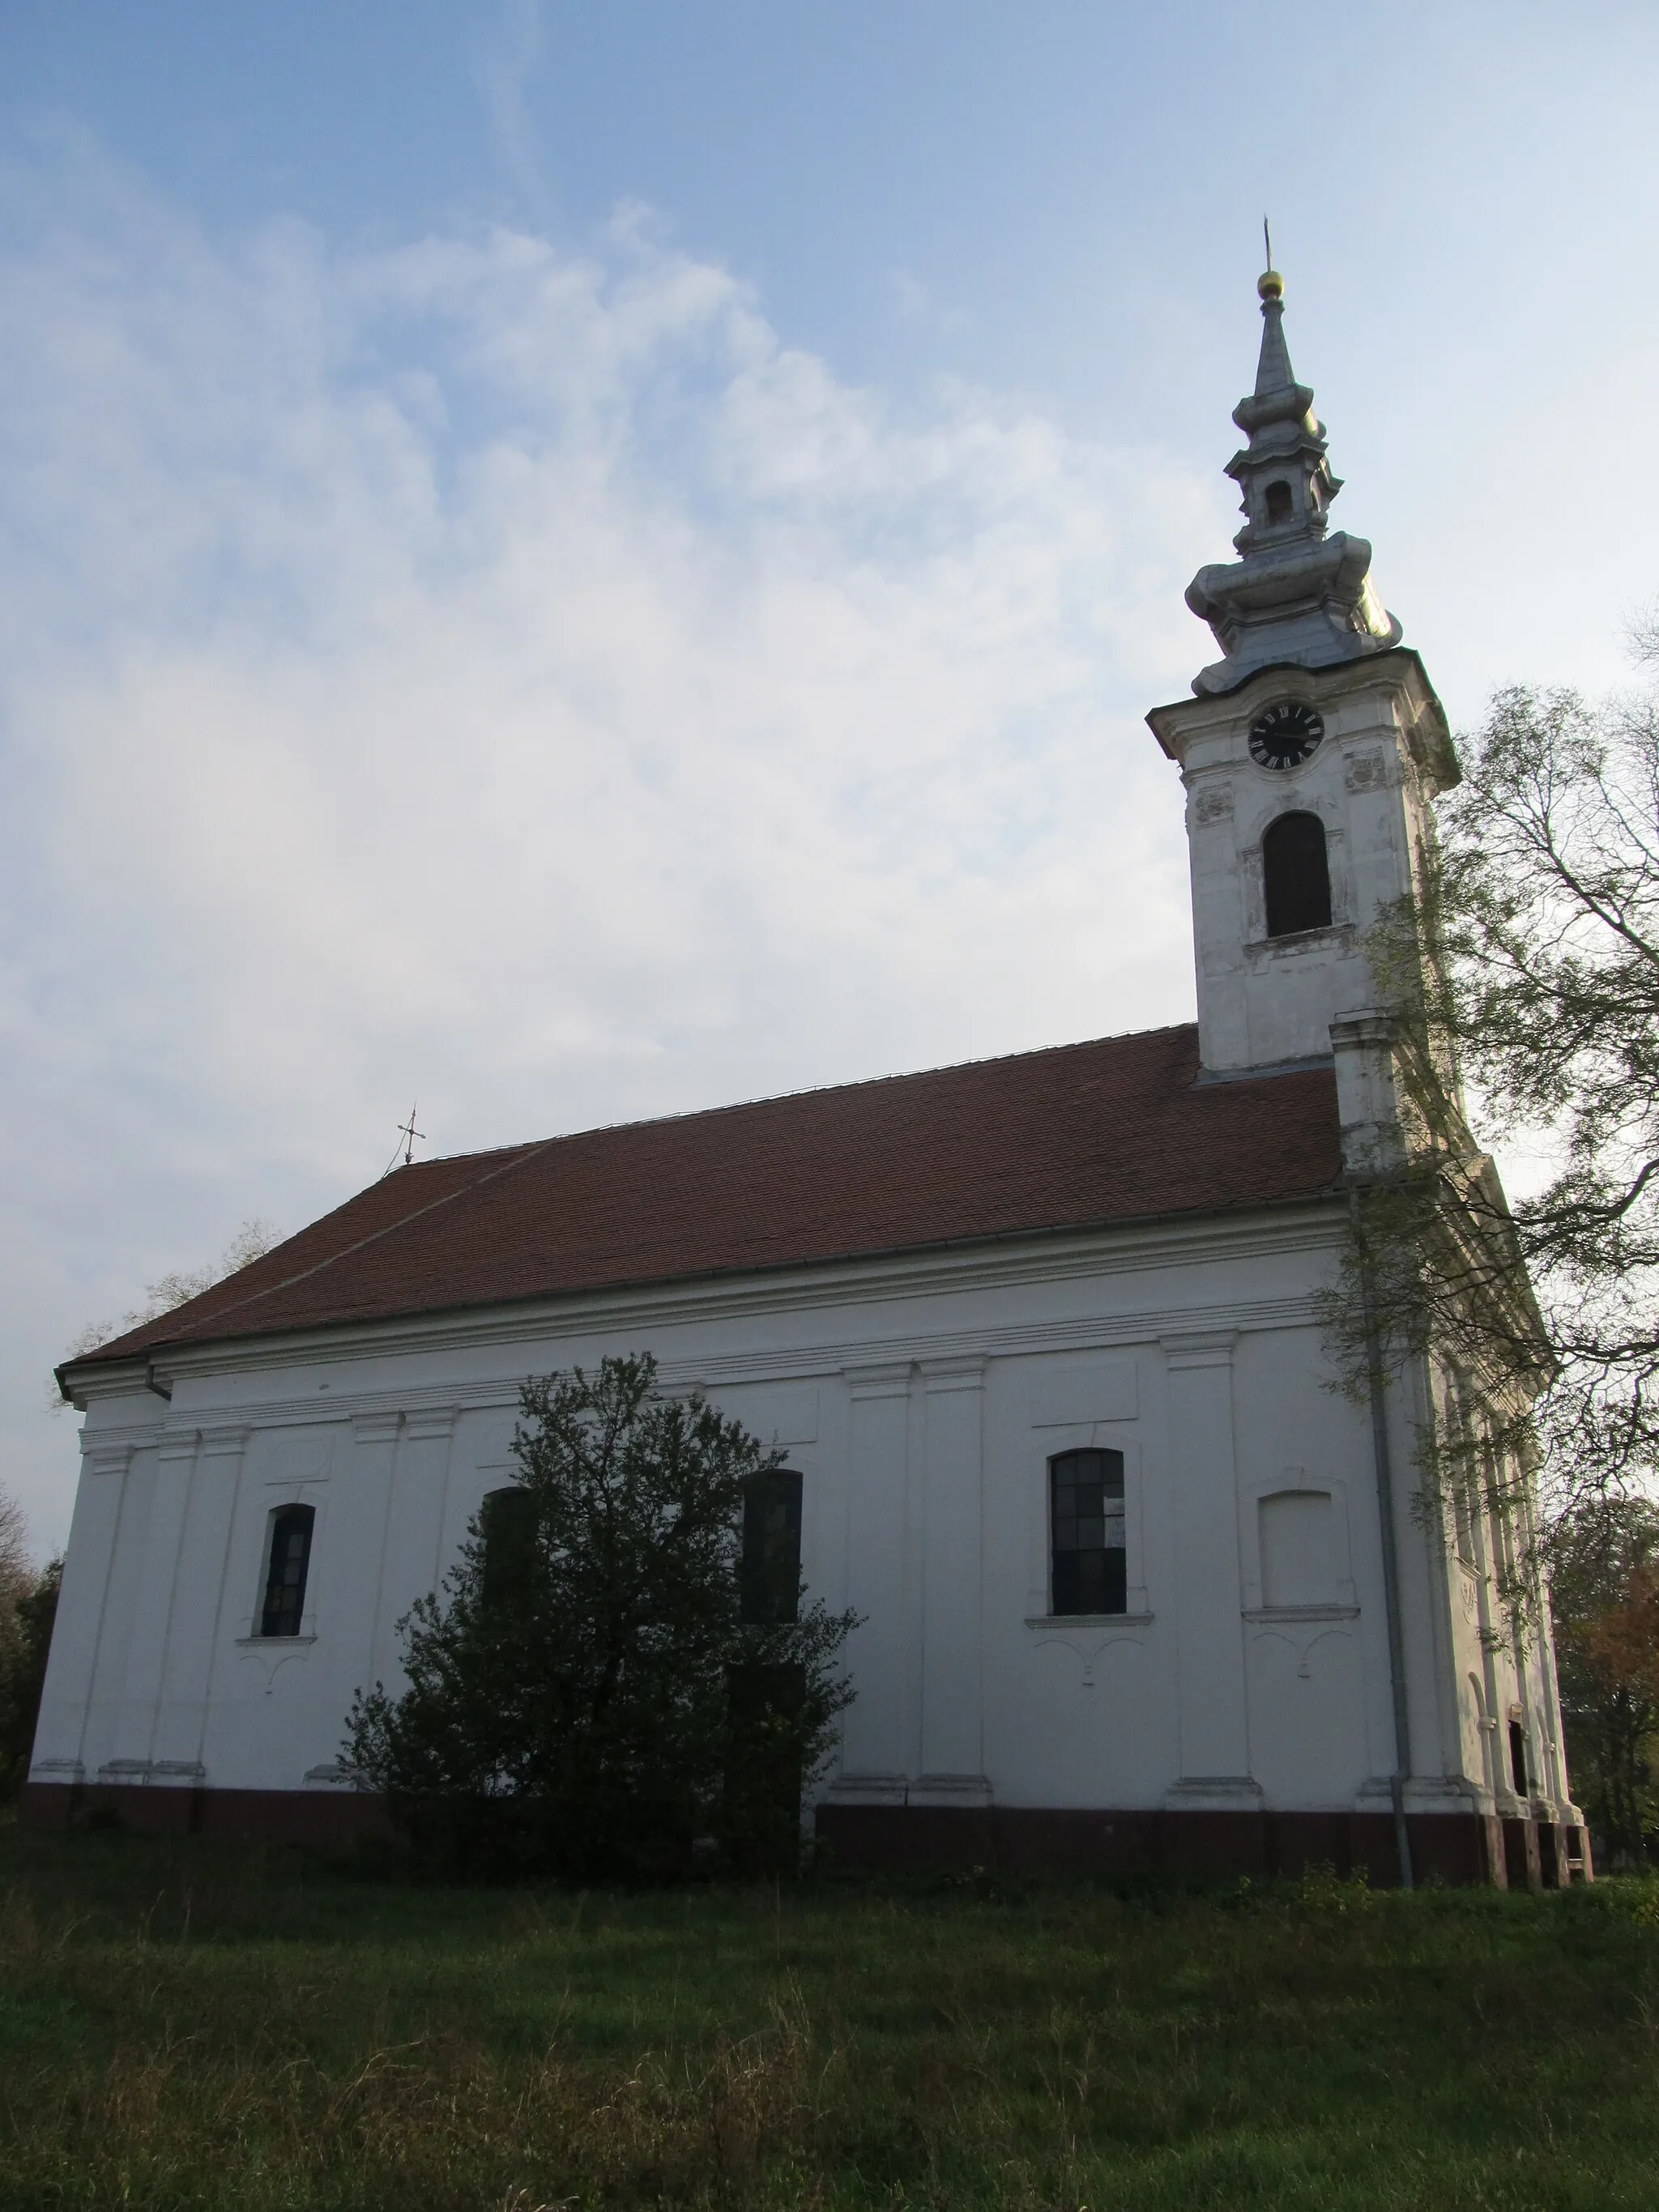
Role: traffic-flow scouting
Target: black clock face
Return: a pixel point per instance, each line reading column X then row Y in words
column 1286, row 735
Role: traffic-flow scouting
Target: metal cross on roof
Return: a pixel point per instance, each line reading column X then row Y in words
column 407, row 1130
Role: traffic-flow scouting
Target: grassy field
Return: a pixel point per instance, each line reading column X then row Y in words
column 185, row 2024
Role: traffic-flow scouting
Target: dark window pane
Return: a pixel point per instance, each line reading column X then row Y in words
column 285, row 1571
column 770, row 1573
column 1068, row 1588
column 506, row 1522
column 1518, row 1757
column 1090, row 1571
column 1077, row 1583
column 1295, row 875
column 1115, row 1594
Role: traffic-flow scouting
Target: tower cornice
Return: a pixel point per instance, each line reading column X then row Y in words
column 1185, row 722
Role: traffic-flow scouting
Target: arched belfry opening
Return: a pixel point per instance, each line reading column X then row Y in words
column 1296, row 875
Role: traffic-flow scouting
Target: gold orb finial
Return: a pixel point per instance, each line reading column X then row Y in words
column 1270, row 284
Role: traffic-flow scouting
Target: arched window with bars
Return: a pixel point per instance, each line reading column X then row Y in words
column 288, row 1563
column 1088, row 1562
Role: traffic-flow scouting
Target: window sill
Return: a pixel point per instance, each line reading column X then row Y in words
column 1340, row 933
column 1271, row 1613
column 266, row 1643
column 1088, row 1620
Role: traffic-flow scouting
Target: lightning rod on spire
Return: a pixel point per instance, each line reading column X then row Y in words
column 1267, row 242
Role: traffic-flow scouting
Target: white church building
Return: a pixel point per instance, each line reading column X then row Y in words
column 1041, row 1337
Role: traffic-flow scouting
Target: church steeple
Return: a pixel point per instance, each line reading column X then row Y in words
column 1297, row 595
column 1310, row 756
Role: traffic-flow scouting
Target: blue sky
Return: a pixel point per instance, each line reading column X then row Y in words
column 576, row 562
column 1058, row 198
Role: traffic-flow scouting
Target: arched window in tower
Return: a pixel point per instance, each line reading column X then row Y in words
column 1295, row 875
column 1281, row 503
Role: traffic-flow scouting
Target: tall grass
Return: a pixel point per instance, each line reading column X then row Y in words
column 187, row 2025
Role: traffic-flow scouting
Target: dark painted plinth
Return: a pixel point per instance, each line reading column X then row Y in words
column 1460, row 1848
column 248, row 1816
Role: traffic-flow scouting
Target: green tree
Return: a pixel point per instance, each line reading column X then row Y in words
column 586, row 1698
column 29, row 1602
column 251, row 1242
column 1604, row 1584
column 1524, row 980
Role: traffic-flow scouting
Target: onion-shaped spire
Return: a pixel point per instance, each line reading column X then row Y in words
column 1299, row 593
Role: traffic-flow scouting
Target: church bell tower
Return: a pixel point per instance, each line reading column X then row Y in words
column 1311, row 752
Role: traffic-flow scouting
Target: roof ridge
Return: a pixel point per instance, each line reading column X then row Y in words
column 805, row 1090
column 1010, row 1145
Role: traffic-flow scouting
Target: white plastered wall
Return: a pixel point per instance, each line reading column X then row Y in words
column 921, row 1399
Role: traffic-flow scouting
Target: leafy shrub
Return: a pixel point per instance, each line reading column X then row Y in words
column 28, row 1605
column 586, row 1698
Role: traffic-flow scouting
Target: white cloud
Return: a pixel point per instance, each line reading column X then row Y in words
column 519, row 680
column 912, row 301
column 505, row 64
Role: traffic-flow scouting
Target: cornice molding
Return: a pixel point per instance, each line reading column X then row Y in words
column 225, row 1440
column 1304, row 1225
column 955, row 1371
column 1186, row 1348
column 1398, row 671
column 108, row 1452
column 431, row 1423
column 879, row 1378
column 375, row 1412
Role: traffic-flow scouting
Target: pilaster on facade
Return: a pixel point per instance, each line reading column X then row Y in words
column 957, row 1371
column 373, row 1428
column 952, row 1554
column 351, row 1599
column 879, row 1378
column 878, row 1731
column 854, row 1786
column 1368, row 1094
column 431, row 1423
column 164, row 1538
column 224, row 1440
column 951, row 1791
column 79, row 1626
column 1203, row 1475
column 104, row 1457
column 200, row 1595
column 1214, row 1793
column 412, row 1562
column 1186, row 1350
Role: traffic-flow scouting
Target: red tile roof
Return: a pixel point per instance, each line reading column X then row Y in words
column 1074, row 1138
